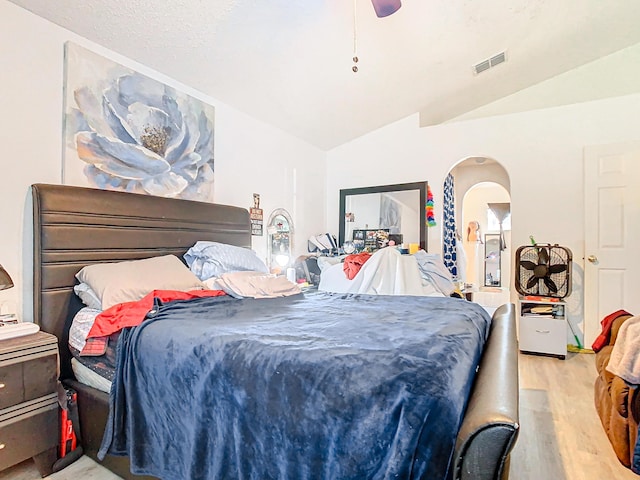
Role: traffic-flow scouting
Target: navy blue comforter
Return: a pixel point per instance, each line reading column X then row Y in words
column 304, row 387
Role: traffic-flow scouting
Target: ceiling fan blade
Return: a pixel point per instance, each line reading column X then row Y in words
column 558, row 268
column 543, row 256
column 532, row 282
column 385, row 8
column 527, row 265
column 550, row 285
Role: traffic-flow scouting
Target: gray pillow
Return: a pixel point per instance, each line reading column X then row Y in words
column 212, row 259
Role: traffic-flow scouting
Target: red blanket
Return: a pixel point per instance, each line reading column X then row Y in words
column 353, row 264
column 130, row 314
column 603, row 339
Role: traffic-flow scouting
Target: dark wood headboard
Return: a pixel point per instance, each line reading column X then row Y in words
column 74, row 227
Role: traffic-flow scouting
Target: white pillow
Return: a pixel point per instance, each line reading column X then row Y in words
column 80, row 327
column 256, row 285
column 128, row 281
column 212, row 259
column 88, row 296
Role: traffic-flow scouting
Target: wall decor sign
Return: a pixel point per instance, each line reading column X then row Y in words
column 256, row 215
column 127, row 131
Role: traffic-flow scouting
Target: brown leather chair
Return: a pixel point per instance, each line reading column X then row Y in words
column 617, row 403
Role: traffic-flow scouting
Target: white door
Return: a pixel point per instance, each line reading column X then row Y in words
column 612, row 233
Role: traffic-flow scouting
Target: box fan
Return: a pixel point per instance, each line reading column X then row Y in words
column 544, row 270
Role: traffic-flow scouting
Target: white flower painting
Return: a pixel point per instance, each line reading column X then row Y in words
column 127, row 131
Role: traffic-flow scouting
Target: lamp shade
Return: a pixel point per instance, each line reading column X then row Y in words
column 501, row 211
column 5, row 279
column 385, row 8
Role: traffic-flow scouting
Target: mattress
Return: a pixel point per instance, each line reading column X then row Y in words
column 89, row 377
column 96, row 371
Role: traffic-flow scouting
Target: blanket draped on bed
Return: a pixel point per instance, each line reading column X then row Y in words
column 625, row 355
column 388, row 272
column 302, row 387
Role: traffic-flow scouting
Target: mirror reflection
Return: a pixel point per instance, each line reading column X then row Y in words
column 280, row 233
column 492, row 259
column 370, row 217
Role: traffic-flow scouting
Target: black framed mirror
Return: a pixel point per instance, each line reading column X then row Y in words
column 397, row 209
column 492, row 259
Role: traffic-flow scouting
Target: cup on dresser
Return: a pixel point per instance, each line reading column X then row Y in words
column 291, row 274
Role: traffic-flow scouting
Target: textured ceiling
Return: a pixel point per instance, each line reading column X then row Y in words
column 289, row 63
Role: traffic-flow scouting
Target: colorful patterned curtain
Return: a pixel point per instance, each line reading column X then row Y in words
column 449, row 228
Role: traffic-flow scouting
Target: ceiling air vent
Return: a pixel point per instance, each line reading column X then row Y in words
column 490, row 63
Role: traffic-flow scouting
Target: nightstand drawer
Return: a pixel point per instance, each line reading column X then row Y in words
column 11, row 387
column 28, row 430
column 543, row 335
column 33, row 378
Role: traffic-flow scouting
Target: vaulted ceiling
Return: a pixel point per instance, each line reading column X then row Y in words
column 290, row 63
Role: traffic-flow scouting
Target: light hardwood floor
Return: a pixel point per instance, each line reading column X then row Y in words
column 561, row 436
column 560, row 439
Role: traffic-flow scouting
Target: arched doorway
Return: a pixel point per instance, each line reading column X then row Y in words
column 482, row 203
column 487, row 248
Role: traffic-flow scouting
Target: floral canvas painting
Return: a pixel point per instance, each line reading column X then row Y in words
column 127, row 131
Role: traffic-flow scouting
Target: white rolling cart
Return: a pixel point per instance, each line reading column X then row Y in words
column 543, row 327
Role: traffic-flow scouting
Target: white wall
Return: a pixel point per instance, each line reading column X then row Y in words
column 250, row 156
column 542, row 151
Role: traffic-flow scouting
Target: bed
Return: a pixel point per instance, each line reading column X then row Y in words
column 75, row 227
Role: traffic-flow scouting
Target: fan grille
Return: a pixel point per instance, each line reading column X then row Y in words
column 544, row 270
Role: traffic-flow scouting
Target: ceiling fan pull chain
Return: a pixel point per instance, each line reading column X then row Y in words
column 354, row 68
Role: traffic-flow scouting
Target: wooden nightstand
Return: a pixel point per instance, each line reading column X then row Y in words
column 29, row 401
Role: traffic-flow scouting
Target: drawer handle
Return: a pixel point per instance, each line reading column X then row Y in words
column 543, row 331
column 2, row 446
column 2, row 385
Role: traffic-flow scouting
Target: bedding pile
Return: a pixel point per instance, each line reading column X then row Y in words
column 305, row 386
column 388, row 272
column 120, row 294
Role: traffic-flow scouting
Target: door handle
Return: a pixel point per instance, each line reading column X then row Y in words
column 592, row 259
